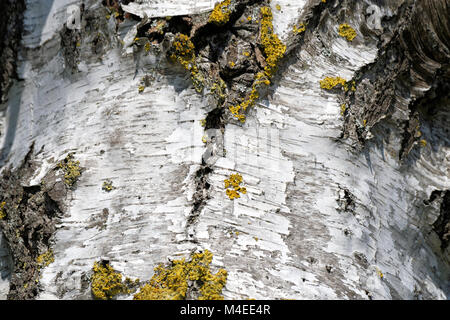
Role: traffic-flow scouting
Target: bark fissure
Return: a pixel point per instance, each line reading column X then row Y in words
column 32, row 212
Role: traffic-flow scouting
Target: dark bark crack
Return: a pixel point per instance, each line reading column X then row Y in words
column 31, row 213
column 405, row 75
column 11, row 26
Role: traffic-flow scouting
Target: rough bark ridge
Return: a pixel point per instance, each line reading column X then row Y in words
column 411, row 71
column 30, row 214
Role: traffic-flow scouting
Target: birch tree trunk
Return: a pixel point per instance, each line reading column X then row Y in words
column 344, row 155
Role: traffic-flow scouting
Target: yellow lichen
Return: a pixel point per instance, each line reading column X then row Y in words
column 141, row 89
column 423, row 143
column 171, row 283
column 274, row 51
column 221, row 13
column 380, row 274
column 218, row 89
column 2, row 211
column 107, row 186
column 106, row 282
column 300, row 28
column 183, row 51
column 278, row 7
column 346, row 31
column 147, row 46
column 331, row 82
column 343, row 108
column 45, row 259
column 232, row 184
column 71, row 169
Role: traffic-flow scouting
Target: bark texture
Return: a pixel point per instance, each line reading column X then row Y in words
column 346, row 191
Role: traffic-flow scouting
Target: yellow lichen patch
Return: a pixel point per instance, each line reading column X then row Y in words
column 171, row 283
column 232, row 184
column 274, row 51
column 218, row 89
column 183, row 52
column 45, row 259
column 107, row 186
column 346, row 31
column 71, row 169
column 221, row 13
column 300, row 28
column 343, row 108
column 106, row 282
column 380, row 274
column 423, row 143
column 2, row 211
column 141, row 89
column 203, row 122
column 278, row 7
column 331, row 82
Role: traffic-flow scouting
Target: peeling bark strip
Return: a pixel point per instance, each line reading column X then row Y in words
column 414, row 59
column 10, row 35
column 30, row 215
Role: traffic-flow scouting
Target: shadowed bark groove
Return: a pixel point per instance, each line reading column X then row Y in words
column 409, row 71
column 10, row 35
column 31, row 213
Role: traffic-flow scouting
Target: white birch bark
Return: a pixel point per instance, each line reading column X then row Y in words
column 289, row 236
